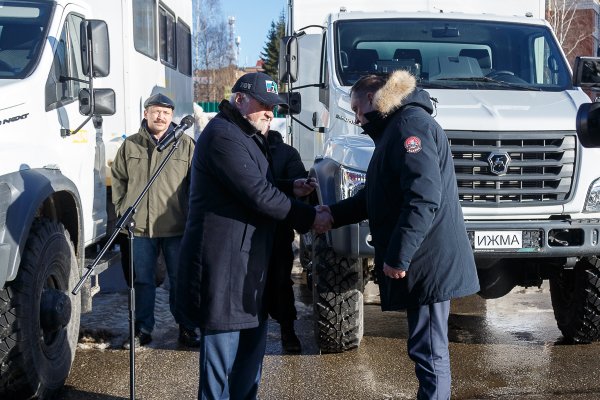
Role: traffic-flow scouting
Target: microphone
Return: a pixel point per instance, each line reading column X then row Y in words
column 176, row 133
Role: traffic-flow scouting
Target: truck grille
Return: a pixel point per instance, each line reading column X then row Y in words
column 504, row 168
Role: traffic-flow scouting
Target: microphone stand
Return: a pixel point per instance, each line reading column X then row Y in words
column 127, row 222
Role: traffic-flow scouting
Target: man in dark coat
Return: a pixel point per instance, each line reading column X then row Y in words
column 286, row 165
column 227, row 242
column 423, row 257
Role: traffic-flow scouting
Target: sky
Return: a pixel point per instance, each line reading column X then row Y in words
column 252, row 23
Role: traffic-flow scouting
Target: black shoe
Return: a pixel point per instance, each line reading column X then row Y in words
column 140, row 339
column 188, row 337
column 289, row 341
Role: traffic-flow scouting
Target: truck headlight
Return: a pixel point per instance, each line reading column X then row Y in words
column 352, row 181
column 592, row 203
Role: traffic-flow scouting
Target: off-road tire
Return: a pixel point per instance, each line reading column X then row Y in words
column 34, row 363
column 575, row 295
column 337, row 298
column 305, row 250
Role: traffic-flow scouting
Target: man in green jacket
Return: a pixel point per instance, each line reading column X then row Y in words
column 160, row 217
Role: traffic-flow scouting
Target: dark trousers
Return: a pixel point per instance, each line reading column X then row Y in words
column 123, row 241
column 231, row 363
column 279, row 290
column 428, row 348
column 145, row 257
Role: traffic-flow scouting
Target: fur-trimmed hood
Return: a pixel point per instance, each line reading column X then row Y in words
column 400, row 90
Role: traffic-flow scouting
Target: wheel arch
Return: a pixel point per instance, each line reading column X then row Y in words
column 33, row 194
column 327, row 172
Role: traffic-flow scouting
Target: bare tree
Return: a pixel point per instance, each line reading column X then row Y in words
column 211, row 45
column 562, row 16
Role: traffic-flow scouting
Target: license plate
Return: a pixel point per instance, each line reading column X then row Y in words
column 498, row 240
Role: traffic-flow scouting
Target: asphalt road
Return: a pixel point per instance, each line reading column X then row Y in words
column 508, row 348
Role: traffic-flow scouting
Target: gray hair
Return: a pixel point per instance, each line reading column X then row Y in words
column 232, row 97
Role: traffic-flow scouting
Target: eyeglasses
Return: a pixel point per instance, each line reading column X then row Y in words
column 156, row 113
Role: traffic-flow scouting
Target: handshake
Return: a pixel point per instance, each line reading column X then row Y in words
column 323, row 219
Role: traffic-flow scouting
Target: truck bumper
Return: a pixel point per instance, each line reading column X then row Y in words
column 549, row 238
column 353, row 240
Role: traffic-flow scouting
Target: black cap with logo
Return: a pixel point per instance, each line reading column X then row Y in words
column 159, row 99
column 261, row 87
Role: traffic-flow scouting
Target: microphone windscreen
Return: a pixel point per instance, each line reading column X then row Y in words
column 188, row 121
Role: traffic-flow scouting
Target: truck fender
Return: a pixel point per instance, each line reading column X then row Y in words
column 327, row 172
column 32, row 193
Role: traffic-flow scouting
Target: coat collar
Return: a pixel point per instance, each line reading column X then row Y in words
column 374, row 128
column 145, row 133
column 233, row 114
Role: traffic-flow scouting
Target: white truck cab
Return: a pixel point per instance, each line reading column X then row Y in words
column 502, row 90
column 71, row 88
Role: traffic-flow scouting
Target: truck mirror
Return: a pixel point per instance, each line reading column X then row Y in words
column 294, row 104
column 103, row 102
column 288, row 59
column 588, row 124
column 94, row 40
column 587, row 72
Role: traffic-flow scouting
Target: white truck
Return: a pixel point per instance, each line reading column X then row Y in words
column 502, row 91
column 55, row 148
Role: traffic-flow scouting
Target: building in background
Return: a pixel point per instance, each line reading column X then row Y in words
column 212, row 86
column 588, row 19
column 577, row 26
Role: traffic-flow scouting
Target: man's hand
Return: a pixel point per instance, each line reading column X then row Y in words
column 304, row 187
column 323, row 219
column 393, row 273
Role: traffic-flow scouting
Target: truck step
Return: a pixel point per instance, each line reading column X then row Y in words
column 110, row 257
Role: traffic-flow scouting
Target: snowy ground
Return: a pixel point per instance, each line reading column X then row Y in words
column 107, row 326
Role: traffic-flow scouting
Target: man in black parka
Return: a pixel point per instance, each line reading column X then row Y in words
column 423, row 257
column 286, row 165
column 226, row 246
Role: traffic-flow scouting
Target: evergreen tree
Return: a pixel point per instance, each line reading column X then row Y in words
column 270, row 53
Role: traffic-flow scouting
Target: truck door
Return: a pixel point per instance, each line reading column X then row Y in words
column 308, row 142
column 80, row 156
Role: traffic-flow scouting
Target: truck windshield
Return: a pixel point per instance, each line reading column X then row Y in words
column 452, row 53
column 23, row 26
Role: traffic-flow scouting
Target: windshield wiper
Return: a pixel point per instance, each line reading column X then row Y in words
column 494, row 81
column 435, row 85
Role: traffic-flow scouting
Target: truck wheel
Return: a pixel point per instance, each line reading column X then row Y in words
column 39, row 317
column 305, row 253
column 337, row 298
column 575, row 297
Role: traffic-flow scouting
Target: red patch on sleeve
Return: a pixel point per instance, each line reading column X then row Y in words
column 412, row 144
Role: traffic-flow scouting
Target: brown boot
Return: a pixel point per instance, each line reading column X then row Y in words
column 289, row 341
